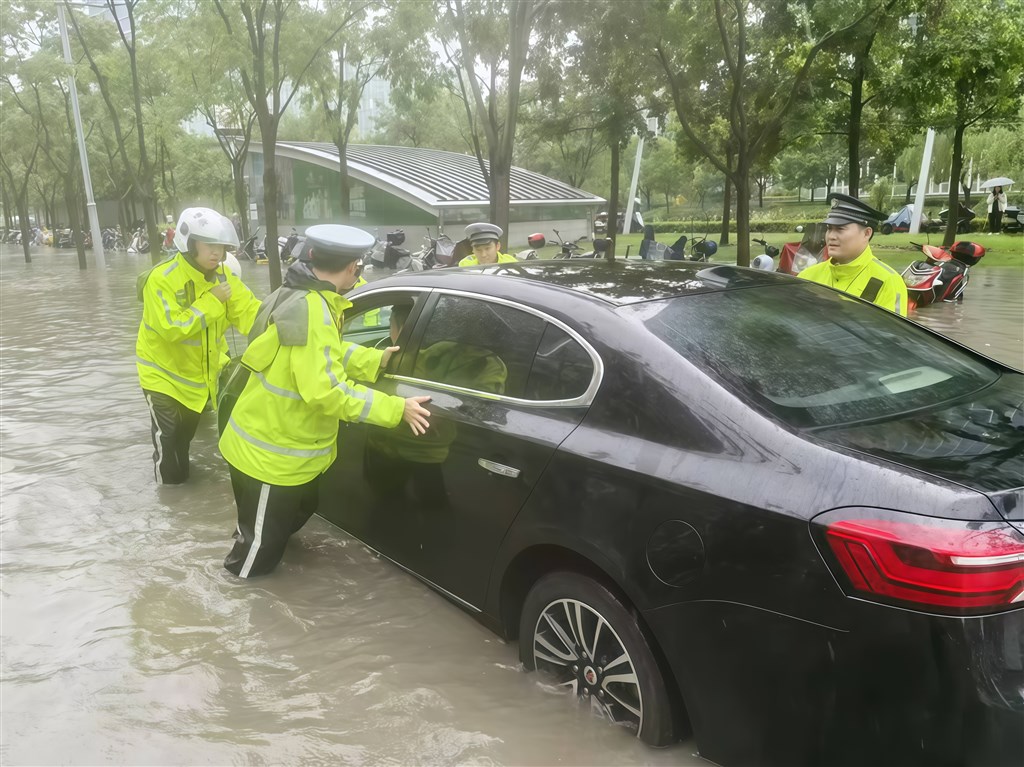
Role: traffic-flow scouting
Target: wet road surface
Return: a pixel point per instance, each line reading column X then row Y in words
column 124, row 640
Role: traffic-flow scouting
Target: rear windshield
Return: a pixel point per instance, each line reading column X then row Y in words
column 814, row 357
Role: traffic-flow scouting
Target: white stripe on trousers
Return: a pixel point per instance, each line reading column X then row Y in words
column 159, row 434
column 261, row 513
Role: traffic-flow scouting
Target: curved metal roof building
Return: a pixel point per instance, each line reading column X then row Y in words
column 432, row 178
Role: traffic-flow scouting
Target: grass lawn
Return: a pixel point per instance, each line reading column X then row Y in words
column 894, row 249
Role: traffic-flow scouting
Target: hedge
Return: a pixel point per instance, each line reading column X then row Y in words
column 757, row 227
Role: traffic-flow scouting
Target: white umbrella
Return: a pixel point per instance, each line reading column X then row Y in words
column 998, row 181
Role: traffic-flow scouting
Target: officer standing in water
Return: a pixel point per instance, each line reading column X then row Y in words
column 282, row 434
column 188, row 303
column 484, row 238
column 851, row 266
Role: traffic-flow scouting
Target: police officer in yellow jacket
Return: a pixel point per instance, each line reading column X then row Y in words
column 851, row 266
column 188, row 303
column 282, row 433
column 484, row 239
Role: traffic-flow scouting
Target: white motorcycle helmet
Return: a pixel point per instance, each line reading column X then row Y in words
column 204, row 225
column 763, row 262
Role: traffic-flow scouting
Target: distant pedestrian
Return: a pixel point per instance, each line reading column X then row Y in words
column 996, row 208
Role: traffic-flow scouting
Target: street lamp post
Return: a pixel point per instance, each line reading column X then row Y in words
column 94, row 221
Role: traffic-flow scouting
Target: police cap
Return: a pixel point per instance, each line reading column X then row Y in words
column 850, row 210
column 337, row 243
column 478, row 234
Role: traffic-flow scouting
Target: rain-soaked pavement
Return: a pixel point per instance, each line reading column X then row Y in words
column 125, row 642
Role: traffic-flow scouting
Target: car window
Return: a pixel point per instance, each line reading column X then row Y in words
column 814, row 357
column 562, row 368
column 481, row 345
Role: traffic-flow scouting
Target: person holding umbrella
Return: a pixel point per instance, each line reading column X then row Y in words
column 996, row 207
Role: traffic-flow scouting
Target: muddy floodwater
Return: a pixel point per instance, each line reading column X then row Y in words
column 125, row 642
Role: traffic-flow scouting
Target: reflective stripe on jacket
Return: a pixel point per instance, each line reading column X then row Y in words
column 284, row 427
column 181, row 349
column 865, row 277
column 470, row 260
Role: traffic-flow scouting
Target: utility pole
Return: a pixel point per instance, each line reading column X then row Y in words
column 94, row 221
column 923, row 181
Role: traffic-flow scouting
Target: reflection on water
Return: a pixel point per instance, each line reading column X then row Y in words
column 990, row 318
column 124, row 641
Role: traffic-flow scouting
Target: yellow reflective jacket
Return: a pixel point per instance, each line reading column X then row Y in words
column 865, row 277
column 503, row 258
column 372, row 318
column 284, row 428
column 181, row 349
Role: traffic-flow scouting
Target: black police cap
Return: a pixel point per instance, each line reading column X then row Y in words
column 850, row 210
column 337, row 243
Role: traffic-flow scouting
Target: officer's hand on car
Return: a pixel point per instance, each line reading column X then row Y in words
column 416, row 415
column 221, row 291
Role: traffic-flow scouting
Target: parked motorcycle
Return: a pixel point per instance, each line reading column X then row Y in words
column 797, row 256
column 536, row 241
column 963, row 220
column 435, row 253
column 766, row 260
column 943, row 274
column 571, row 248
column 1013, row 220
column 254, row 249
column 290, row 247
column 139, row 242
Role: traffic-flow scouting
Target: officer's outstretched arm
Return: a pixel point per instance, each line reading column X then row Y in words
column 321, row 381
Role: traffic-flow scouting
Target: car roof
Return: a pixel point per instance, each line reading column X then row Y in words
column 618, row 283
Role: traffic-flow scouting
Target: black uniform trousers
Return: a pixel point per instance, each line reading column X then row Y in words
column 173, row 426
column 268, row 515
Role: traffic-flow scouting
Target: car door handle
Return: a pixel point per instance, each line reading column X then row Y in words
column 498, row 468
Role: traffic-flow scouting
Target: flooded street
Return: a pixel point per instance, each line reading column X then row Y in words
column 124, row 641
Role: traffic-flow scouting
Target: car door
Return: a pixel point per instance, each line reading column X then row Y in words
column 507, row 385
column 351, row 494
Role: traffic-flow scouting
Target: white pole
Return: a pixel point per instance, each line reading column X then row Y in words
column 922, row 182
column 628, row 220
column 94, row 221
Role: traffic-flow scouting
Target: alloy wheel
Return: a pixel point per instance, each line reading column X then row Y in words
column 576, row 645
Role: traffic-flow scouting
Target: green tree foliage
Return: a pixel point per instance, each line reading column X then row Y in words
column 966, row 70
column 277, row 42
column 734, row 76
column 487, row 45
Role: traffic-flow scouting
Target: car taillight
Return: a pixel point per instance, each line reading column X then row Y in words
column 942, row 565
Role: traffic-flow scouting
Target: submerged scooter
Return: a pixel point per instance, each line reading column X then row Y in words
column 943, row 275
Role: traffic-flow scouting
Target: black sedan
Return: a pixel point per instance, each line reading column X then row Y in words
column 709, row 500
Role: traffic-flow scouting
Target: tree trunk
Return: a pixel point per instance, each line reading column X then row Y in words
column 953, row 202
column 742, row 213
column 344, row 188
column 612, row 230
column 26, row 230
column 856, row 114
column 268, row 129
column 71, row 202
column 241, row 195
column 723, row 236
column 910, row 192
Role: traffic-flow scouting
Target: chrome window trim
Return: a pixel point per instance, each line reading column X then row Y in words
column 583, row 400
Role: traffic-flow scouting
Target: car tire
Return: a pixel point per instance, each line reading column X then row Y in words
column 562, row 608
column 887, row 228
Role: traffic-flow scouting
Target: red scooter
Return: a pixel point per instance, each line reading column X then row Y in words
column 943, row 275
